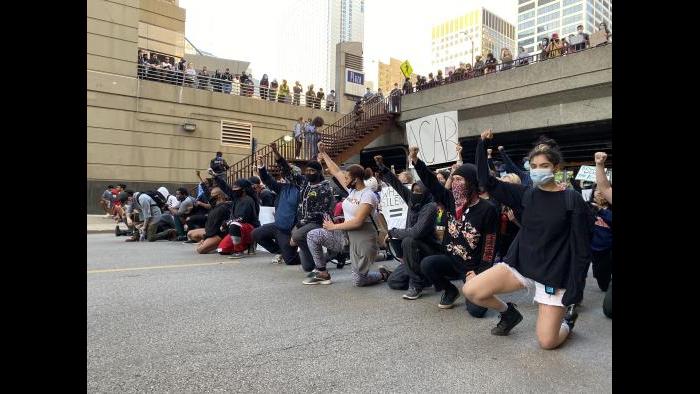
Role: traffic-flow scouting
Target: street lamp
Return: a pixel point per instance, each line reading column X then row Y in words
column 471, row 39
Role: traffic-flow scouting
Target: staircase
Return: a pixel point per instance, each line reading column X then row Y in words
column 343, row 139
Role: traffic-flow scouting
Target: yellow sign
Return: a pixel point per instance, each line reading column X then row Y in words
column 406, row 69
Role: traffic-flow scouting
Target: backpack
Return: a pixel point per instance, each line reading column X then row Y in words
column 158, row 197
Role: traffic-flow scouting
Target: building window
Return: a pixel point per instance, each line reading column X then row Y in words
column 526, row 7
column 543, row 2
column 526, row 42
column 523, row 1
column 573, row 9
column 526, row 25
column 526, row 33
column 547, row 18
column 549, row 8
column 572, row 19
column 570, row 2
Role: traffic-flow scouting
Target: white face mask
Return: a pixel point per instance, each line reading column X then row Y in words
column 541, row 176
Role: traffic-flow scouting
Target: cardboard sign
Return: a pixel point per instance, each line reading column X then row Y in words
column 436, row 136
column 587, row 174
column 393, row 207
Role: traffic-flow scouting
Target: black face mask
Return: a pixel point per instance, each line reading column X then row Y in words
column 417, row 199
column 213, row 201
column 314, row 177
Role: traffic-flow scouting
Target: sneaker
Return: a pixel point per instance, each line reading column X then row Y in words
column 236, row 255
column 312, row 273
column 571, row 316
column 190, row 241
column 413, row 294
column 117, row 232
column 319, row 278
column 132, row 239
column 181, row 238
column 107, row 216
column 278, row 259
column 448, row 299
column 385, row 272
column 509, row 319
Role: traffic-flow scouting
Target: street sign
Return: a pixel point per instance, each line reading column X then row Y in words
column 406, row 69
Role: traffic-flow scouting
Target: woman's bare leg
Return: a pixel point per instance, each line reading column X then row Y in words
column 551, row 331
column 481, row 289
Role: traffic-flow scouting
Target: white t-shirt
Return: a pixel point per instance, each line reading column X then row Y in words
column 352, row 203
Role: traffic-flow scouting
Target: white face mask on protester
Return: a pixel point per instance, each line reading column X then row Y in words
column 540, row 176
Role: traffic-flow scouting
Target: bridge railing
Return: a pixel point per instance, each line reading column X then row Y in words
column 155, row 73
column 499, row 67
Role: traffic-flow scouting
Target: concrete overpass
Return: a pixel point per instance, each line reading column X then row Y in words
column 569, row 97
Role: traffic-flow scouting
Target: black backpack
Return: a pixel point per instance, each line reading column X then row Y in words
column 158, row 197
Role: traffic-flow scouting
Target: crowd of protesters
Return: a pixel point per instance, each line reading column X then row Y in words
column 548, row 48
column 496, row 228
column 161, row 68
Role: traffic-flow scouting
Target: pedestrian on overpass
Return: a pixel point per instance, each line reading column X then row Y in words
column 551, row 252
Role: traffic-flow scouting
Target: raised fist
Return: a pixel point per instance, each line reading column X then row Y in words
column 458, row 148
column 321, row 147
column 500, row 148
column 489, row 151
column 487, row 134
column 600, row 158
column 413, row 153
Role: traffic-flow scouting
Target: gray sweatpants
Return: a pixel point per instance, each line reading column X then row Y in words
column 363, row 250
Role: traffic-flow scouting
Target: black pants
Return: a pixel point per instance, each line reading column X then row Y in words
column 607, row 302
column 196, row 221
column 441, row 269
column 276, row 241
column 602, row 268
column 299, row 236
column 413, row 251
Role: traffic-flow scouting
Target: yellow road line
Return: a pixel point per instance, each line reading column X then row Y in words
column 153, row 267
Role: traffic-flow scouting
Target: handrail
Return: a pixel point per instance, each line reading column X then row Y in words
column 234, row 86
column 335, row 136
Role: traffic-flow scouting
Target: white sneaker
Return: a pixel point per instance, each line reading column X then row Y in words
column 278, row 259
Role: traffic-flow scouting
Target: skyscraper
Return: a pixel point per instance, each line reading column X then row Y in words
column 538, row 19
column 452, row 40
column 308, row 31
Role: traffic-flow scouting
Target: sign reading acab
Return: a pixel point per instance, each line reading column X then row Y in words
column 406, row 69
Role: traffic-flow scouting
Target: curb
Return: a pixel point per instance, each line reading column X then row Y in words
column 100, row 231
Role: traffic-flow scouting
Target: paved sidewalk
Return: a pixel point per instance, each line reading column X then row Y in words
column 101, row 224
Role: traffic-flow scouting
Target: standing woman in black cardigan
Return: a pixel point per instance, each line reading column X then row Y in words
column 550, row 253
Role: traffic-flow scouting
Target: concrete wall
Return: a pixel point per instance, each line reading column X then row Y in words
column 134, row 127
column 565, row 90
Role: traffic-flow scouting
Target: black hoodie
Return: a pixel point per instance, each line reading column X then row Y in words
column 420, row 219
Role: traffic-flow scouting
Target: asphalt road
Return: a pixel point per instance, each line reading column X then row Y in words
column 162, row 319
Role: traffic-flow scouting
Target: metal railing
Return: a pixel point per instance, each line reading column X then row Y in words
column 337, row 137
column 493, row 68
column 233, row 85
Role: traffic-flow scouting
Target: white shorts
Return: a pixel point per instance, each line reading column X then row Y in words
column 540, row 295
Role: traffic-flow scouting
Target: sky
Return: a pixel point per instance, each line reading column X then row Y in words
column 246, row 30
